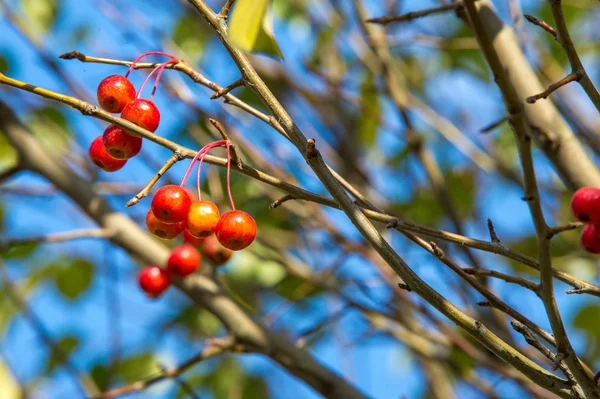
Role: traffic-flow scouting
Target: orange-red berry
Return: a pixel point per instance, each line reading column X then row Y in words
column 115, row 92
column 202, row 219
column 236, row 230
column 184, row 260
column 119, row 144
column 215, row 252
column 590, row 241
column 190, row 239
column 171, row 204
column 143, row 113
column 585, row 205
column 153, row 281
column 102, row 159
column 163, row 230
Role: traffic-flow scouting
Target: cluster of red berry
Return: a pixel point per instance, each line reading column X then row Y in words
column 172, row 210
column 116, row 93
column 585, row 205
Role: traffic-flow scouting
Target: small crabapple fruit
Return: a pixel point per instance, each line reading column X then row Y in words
column 154, row 281
column 590, row 241
column 236, row 230
column 215, row 253
column 202, row 219
column 190, row 239
column 143, row 113
column 119, row 144
column 102, row 159
column 171, row 204
column 115, row 92
column 184, row 260
column 163, row 230
column 585, row 205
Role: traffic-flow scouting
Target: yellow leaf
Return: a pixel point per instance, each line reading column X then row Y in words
column 250, row 27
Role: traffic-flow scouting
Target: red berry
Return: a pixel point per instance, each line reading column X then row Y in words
column 153, row 280
column 115, row 92
column 171, row 204
column 215, row 252
column 184, row 260
column 236, row 230
column 102, row 159
column 202, row 219
column 119, row 144
column 585, row 205
column 189, row 238
column 590, row 241
column 143, row 113
column 163, row 230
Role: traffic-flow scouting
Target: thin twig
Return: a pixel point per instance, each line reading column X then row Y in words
column 216, row 347
column 277, row 203
column 235, row 157
column 557, row 230
column 506, row 277
column 225, row 10
column 541, row 24
column 57, row 237
column 572, row 77
column 173, row 159
column 227, row 89
column 493, row 235
column 414, row 14
column 556, row 362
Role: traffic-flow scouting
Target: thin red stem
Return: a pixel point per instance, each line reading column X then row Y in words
column 158, row 76
column 158, row 68
column 198, row 176
column 228, row 145
column 203, row 150
column 145, row 55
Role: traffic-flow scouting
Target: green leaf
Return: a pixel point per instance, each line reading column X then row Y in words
column 19, row 250
column 227, row 377
column 4, row 66
column 587, row 320
column 250, row 27
column 64, row 347
column 190, row 36
column 101, row 376
column 8, row 154
column 197, row 322
column 72, row 280
column 41, row 14
column 138, row 367
column 370, row 112
column 7, row 312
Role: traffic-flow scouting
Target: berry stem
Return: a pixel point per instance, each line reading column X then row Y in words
column 228, row 145
column 159, row 68
column 159, row 74
column 145, row 55
column 198, row 176
column 205, row 149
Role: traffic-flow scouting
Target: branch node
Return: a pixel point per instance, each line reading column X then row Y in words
column 311, row 149
column 437, row 251
column 392, row 224
column 221, row 92
column 404, row 287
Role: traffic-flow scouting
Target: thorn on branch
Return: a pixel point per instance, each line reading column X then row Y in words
column 311, row 149
column 404, row 287
column 572, row 77
column 280, row 201
column 493, row 125
column 493, row 235
column 221, row 92
column 71, row 55
column 542, row 25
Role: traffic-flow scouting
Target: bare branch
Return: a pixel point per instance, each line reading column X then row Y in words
column 572, row 77
column 541, row 24
column 415, row 14
column 176, row 157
